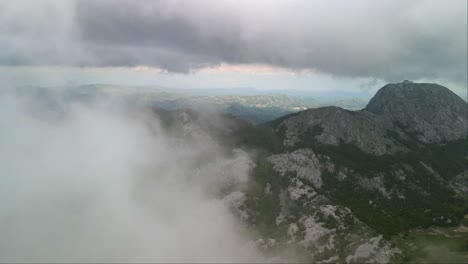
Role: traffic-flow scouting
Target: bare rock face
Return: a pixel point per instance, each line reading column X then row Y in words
column 431, row 112
column 302, row 161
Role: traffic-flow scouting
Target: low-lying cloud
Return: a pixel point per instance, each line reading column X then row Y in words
column 95, row 183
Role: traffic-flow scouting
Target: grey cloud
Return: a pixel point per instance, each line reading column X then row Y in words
column 389, row 40
column 153, row 33
column 39, row 32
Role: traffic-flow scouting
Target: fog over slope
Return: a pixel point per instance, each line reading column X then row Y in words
column 98, row 183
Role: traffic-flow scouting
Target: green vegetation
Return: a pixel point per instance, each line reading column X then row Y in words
column 448, row 159
column 258, row 137
column 436, row 245
column 275, row 123
column 265, row 207
column 425, row 197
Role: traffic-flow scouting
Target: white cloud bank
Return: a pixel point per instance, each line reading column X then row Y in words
column 97, row 185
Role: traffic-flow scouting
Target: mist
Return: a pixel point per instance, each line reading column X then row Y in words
column 95, row 182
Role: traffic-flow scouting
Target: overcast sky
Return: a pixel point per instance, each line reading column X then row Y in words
column 307, row 44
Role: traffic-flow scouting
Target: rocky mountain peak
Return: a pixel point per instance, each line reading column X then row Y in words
column 392, row 97
column 430, row 111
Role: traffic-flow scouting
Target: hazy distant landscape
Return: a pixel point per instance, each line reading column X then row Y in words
column 236, row 132
column 257, row 106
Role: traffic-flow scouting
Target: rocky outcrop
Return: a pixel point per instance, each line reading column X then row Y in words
column 302, row 161
column 323, row 230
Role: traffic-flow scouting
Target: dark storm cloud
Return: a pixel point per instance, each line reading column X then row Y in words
column 153, row 33
column 391, row 40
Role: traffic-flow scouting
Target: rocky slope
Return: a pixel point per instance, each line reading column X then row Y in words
column 332, row 185
column 290, row 218
column 399, row 117
column 396, row 165
column 334, row 125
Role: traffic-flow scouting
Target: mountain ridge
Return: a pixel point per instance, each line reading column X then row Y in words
column 330, row 171
column 383, row 127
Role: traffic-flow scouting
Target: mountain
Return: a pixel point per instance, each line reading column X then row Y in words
column 399, row 117
column 429, row 111
column 344, row 185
